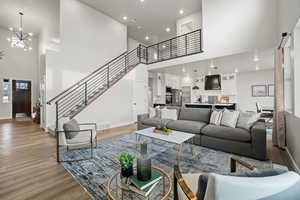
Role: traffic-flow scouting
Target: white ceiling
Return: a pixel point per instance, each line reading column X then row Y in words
column 38, row 15
column 152, row 15
column 243, row 62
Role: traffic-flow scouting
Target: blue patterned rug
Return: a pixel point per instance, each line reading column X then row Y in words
column 93, row 175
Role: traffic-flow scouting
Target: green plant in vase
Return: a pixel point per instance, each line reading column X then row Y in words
column 126, row 162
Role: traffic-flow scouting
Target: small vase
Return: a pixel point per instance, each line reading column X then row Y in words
column 126, row 172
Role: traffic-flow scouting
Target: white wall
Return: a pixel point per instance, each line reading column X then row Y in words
column 18, row 65
column 89, row 39
column 195, row 18
column 244, row 92
column 233, row 26
column 288, row 15
column 132, row 44
column 115, row 107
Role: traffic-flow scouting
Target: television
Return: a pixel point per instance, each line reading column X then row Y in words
column 213, row 82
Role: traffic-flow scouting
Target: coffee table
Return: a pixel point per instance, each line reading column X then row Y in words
column 116, row 189
column 176, row 137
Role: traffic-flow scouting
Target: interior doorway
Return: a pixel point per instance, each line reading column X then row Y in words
column 21, row 98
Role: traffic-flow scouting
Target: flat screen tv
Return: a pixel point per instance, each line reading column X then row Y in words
column 213, row 82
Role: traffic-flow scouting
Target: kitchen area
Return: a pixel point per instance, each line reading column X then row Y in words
column 218, row 91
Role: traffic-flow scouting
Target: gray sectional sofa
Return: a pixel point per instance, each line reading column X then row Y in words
column 240, row 141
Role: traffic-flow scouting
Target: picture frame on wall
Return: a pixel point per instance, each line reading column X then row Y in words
column 259, row 91
column 271, row 90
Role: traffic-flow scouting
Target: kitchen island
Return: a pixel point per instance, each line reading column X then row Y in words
column 229, row 106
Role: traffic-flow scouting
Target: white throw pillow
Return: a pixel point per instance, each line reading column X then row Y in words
column 229, row 118
column 221, row 187
column 169, row 114
column 215, row 117
column 247, row 119
column 152, row 112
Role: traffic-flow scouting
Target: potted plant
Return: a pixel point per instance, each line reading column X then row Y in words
column 126, row 162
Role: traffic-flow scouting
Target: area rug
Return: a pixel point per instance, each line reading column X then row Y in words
column 93, row 174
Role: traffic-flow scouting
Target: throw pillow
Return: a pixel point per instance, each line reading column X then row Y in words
column 229, row 118
column 215, row 117
column 152, row 112
column 169, row 114
column 221, row 187
column 73, row 126
column 247, row 119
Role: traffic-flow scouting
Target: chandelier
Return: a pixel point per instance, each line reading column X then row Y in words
column 19, row 38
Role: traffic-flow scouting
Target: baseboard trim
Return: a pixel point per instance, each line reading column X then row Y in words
column 292, row 161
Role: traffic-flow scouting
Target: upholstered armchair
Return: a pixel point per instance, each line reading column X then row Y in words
column 72, row 134
column 267, row 184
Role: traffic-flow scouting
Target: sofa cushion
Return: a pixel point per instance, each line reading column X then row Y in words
column 230, row 118
column 169, row 114
column 227, row 133
column 247, row 119
column 155, row 121
column 221, row 187
column 186, row 126
column 195, row 114
column 71, row 129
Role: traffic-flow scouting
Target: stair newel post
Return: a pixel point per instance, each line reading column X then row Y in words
column 200, row 31
column 85, row 93
column 108, row 76
column 56, row 131
column 126, row 62
column 146, row 55
column 140, row 53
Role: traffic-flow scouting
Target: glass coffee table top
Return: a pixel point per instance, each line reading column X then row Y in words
column 117, row 189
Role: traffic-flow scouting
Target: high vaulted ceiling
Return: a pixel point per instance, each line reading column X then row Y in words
column 151, row 16
column 243, row 62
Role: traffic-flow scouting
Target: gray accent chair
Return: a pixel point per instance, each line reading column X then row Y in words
column 251, row 143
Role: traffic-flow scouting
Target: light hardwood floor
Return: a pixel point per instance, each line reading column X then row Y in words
column 28, row 167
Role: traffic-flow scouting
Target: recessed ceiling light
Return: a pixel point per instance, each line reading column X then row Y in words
column 11, row 28
column 147, row 37
column 236, row 70
column 181, row 11
column 125, row 18
column 256, row 58
column 168, row 29
column 142, row 0
column 257, row 67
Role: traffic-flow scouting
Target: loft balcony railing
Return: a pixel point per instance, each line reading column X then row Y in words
column 183, row 45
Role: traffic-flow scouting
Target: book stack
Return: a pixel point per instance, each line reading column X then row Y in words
column 145, row 188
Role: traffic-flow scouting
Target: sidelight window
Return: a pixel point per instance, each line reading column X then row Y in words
column 5, row 91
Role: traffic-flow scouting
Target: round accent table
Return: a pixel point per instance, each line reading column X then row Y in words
column 118, row 190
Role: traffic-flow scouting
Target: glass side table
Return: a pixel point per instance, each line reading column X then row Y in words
column 118, row 190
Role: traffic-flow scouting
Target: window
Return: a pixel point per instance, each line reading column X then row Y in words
column 6, row 91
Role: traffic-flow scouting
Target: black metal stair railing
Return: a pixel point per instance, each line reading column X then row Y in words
column 74, row 99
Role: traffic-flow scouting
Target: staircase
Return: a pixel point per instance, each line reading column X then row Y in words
column 73, row 100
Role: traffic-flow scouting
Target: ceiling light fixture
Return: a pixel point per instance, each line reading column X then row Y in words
column 168, row 29
column 236, row 70
column 181, row 11
column 147, row 38
column 19, row 38
column 142, row 1
column 125, row 18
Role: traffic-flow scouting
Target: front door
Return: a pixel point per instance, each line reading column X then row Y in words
column 21, row 98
